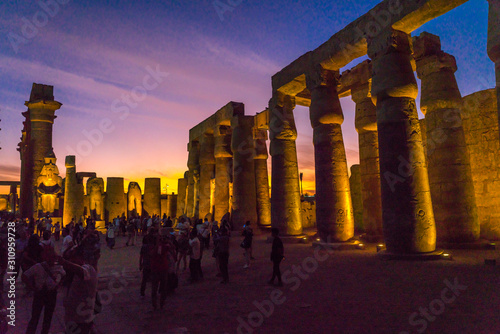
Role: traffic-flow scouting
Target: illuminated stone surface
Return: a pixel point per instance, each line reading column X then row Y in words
column 193, row 178
column 223, row 171
column 36, row 143
column 285, row 195
column 357, row 197
column 207, row 171
column 134, row 200
column 408, row 219
column 181, row 195
column 262, row 180
column 481, row 134
column 116, row 203
column 366, row 126
column 450, row 178
column 73, row 193
column 152, row 193
column 95, row 194
column 494, row 43
column 334, row 215
column 48, row 186
column 244, row 206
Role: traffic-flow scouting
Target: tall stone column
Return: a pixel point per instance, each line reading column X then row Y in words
column 494, row 43
column 116, row 203
column 207, row 170
column 223, row 170
column 152, row 196
column 285, row 189
column 73, row 193
column 450, row 177
column 181, row 196
column 408, row 219
column 366, row 125
column 262, row 180
column 41, row 109
column 334, row 215
column 13, row 197
column 193, row 178
column 244, row 206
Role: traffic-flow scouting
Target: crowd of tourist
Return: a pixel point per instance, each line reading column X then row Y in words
column 72, row 265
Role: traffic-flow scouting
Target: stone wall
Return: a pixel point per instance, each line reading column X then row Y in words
column 481, row 133
column 308, row 212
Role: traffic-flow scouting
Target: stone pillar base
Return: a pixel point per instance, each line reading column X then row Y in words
column 339, row 246
column 431, row 256
column 477, row 245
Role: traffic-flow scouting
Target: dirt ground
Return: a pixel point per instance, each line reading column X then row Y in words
column 324, row 292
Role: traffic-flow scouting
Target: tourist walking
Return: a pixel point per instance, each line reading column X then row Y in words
column 222, row 245
column 145, row 260
column 183, row 249
column 43, row 278
column 130, row 233
column 195, row 257
column 246, row 244
column 159, row 269
column 110, row 236
column 277, row 255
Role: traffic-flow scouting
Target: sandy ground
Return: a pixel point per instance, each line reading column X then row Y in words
column 324, row 292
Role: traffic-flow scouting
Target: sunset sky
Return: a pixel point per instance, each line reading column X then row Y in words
column 94, row 54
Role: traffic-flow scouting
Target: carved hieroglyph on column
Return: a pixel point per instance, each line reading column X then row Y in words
column 73, row 193
column 95, row 193
column 193, row 178
column 134, row 200
column 244, row 206
column 285, row 190
column 207, row 170
column 262, row 179
column 223, row 170
column 366, row 125
column 494, row 43
column 334, row 215
column 408, row 219
column 450, row 176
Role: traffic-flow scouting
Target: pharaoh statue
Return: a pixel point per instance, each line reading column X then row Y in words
column 95, row 193
column 49, row 185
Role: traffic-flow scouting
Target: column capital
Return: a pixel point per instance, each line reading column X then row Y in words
column 429, row 57
column 389, row 41
column 281, row 120
column 318, row 76
column 207, row 149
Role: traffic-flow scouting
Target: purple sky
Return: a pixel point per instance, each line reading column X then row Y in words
column 96, row 55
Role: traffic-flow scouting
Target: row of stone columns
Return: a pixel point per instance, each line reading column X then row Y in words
column 233, row 153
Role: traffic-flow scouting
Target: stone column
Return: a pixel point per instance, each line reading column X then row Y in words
column 494, row 43
column 41, row 109
column 171, row 205
column 450, row 176
column 408, row 219
column 181, row 196
column 285, row 189
column 134, row 200
column 223, row 170
column 366, row 125
column 334, row 215
column 262, row 180
column 115, row 198
column 193, row 178
column 73, row 193
column 152, row 196
column 244, row 207
column 207, row 170
column 13, row 197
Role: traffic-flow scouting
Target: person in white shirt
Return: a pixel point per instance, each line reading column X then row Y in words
column 67, row 241
column 195, row 257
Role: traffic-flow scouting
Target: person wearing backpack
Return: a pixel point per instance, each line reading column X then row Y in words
column 43, row 278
